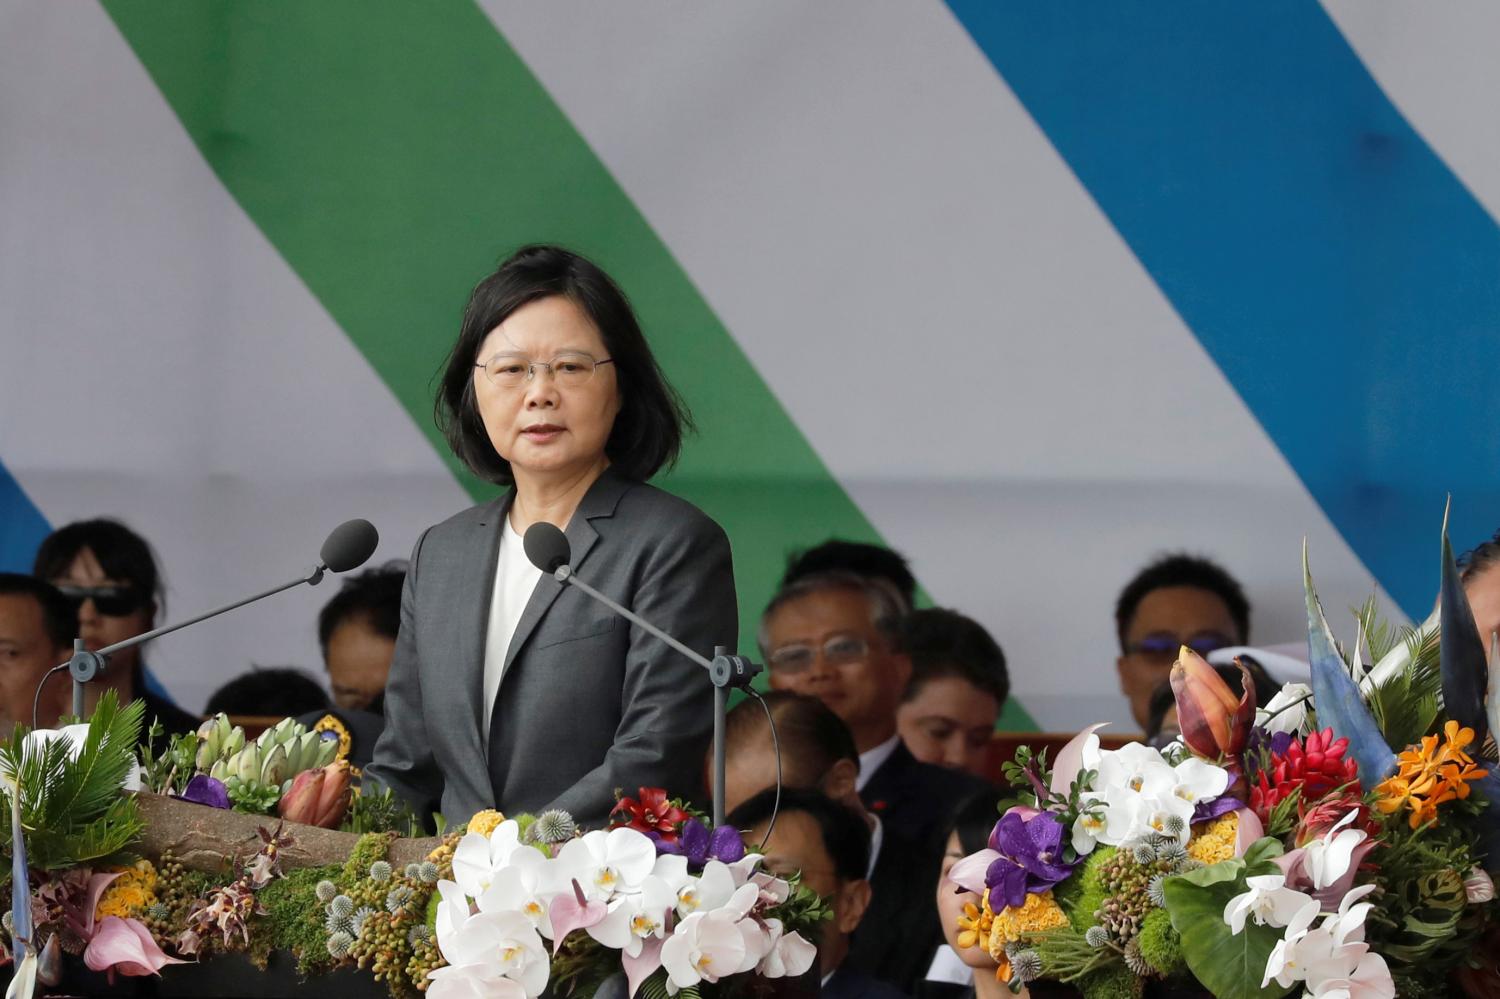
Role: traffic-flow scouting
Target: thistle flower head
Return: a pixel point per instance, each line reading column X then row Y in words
column 325, row 891
column 1097, row 937
column 1154, row 891
column 338, row 924
column 553, row 826
column 427, row 872
column 158, row 911
column 1173, row 853
column 339, row 944
column 419, row 934
column 1174, row 825
column 411, row 871
column 361, row 916
column 397, row 898
column 1025, row 965
column 380, row 872
column 1144, row 853
column 342, row 906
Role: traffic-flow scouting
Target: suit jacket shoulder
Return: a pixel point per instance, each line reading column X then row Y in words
column 917, row 799
column 847, row 983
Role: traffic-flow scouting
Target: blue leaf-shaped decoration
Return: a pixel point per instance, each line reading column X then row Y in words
column 1464, row 668
column 1336, row 696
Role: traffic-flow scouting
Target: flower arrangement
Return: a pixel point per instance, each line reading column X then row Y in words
column 1267, row 850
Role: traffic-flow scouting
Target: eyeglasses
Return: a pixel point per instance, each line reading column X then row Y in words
column 1163, row 647
column 569, row 369
column 111, row 601
column 840, row 650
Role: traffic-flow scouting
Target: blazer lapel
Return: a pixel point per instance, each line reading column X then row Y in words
column 600, row 501
column 471, row 629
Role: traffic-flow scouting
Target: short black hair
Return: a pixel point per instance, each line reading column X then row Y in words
column 811, row 736
column 837, row 555
column 122, row 554
column 58, row 617
column 944, row 643
column 974, row 819
column 1182, row 569
column 1478, row 560
column 653, row 419
column 846, row 837
column 373, row 595
column 1162, row 697
column 281, row 691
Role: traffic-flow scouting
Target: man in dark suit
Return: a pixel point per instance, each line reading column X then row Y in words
column 836, row 636
column 829, row 844
column 900, row 931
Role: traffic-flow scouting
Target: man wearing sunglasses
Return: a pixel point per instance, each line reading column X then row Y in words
column 1177, row 600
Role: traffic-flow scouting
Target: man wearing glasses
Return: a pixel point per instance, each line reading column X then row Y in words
column 836, row 636
column 1175, row 601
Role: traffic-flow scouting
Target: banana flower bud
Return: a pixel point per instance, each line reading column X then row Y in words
column 318, row 797
column 1214, row 722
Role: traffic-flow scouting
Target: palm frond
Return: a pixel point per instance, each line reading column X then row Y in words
column 1380, row 637
column 1406, row 706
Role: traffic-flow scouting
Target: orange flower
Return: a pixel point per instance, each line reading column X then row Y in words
column 1430, row 775
column 974, row 924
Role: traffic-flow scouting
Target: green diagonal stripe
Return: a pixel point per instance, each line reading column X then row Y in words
column 394, row 152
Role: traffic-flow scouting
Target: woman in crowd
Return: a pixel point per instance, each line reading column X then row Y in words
column 508, row 690
column 971, row 832
column 110, row 574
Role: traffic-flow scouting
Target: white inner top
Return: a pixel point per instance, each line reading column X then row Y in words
column 515, row 579
column 871, row 759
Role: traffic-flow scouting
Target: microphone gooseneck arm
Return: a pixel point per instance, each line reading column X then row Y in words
column 564, row 574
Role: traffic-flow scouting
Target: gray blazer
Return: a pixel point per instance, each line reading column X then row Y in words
column 588, row 703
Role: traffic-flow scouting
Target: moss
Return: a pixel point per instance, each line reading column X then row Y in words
column 370, row 848
column 1160, row 944
column 294, row 917
column 1110, row 983
column 1089, row 892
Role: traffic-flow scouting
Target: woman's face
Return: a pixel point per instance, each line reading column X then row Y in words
column 950, row 905
column 543, row 427
column 98, row 629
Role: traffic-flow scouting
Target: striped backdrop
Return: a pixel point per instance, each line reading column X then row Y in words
column 1030, row 292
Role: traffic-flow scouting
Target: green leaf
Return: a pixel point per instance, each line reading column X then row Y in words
column 1204, row 877
column 1258, row 859
column 1229, row 965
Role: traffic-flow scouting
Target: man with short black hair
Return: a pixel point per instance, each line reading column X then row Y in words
column 357, row 631
column 836, row 636
column 1177, row 600
column 829, row 845
column 958, row 687
column 37, row 624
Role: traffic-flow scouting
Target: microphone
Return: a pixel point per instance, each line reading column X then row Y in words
column 547, row 548
column 348, row 546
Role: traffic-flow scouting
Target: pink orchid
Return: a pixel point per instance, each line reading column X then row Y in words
column 126, row 946
column 573, row 912
column 643, row 965
column 1246, row 831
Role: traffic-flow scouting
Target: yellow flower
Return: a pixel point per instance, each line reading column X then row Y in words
column 1430, row 775
column 485, row 822
column 1214, row 840
column 974, row 924
column 123, row 898
column 1038, row 913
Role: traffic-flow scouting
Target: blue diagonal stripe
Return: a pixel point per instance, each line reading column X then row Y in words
column 1344, row 280
column 22, row 526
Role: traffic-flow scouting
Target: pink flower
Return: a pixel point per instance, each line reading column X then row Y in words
column 126, row 946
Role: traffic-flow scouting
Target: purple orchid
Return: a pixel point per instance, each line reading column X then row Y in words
column 206, row 790
column 1030, row 860
column 700, row 846
column 1215, row 807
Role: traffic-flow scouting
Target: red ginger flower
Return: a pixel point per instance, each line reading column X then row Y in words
column 1317, row 819
column 1314, row 767
column 650, row 812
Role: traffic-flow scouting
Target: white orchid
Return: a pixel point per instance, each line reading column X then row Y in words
column 1287, row 710
column 788, row 956
column 1327, row 859
column 477, row 858
column 1332, row 960
column 526, row 886
column 709, row 890
column 1269, row 902
column 1198, row 780
column 472, row 981
column 603, row 863
column 636, row 916
column 489, row 946
column 1138, row 793
column 1135, row 767
column 705, row 947
column 1287, row 963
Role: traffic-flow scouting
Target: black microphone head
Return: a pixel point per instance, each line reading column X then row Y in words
column 350, row 545
column 547, row 546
